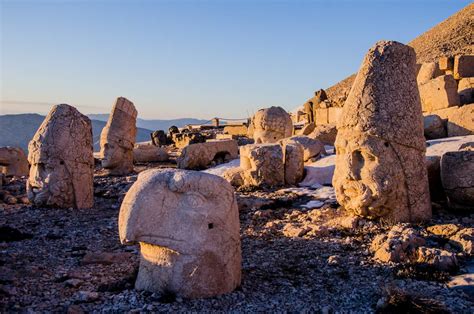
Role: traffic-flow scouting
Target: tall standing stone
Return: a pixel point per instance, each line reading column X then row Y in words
column 62, row 164
column 380, row 164
column 118, row 138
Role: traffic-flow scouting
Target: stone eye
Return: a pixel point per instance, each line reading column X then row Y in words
column 194, row 200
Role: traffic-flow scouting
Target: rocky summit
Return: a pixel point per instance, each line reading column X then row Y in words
column 361, row 200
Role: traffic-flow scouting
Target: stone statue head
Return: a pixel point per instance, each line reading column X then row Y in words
column 271, row 125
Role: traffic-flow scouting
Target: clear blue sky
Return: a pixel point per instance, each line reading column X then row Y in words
column 200, row 59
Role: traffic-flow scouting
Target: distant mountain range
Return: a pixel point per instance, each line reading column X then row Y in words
column 153, row 124
column 18, row 129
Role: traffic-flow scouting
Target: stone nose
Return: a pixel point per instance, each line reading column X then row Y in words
column 355, row 163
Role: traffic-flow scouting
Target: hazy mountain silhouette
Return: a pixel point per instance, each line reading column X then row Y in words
column 18, row 129
column 154, row 124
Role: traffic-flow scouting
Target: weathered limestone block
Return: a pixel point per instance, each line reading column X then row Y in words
column 439, row 93
column 446, row 63
column 307, row 129
column 434, row 127
column 325, row 133
column 308, row 110
column 398, row 245
column 457, row 177
column 427, row 72
column 380, row 163
column 182, row 140
column 147, row 152
column 271, row 125
column 312, row 148
column 118, row 138
column 321, row 116
column 13, row 162
column 466, row 90
column 201, row 155
column 234, row 176
column 463, row 66
column 461, row 121
column 444, row 114
column 294, row 165
column 262, row 164
column 236, row 129
column 334, row 114
column 187, row 224
column 62, row 164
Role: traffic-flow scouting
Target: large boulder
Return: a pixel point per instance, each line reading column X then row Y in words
column 325, row 133
column 187, row 224
column 202, row 155
column 118, row 138
column 466, row 90
column 293, row 160
column 312, row 148
column 270, row 125
column 461, row 121
column 439, row 93
column 62, row 163
column 262, row 164
column 434, row 127
column 13, row 162
column 427, row 72
column 457, row 177
column 380, row 148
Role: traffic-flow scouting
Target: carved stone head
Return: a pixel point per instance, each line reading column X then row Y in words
column 271, row 125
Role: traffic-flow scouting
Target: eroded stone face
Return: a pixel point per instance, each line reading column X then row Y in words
column 271, row 125
column 13, row 161
column 118, row 138
column 62, row 164
column 380, row 167
column 188, row 227
column 364, row 183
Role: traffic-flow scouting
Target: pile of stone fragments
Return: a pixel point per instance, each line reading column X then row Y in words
column 256, row 216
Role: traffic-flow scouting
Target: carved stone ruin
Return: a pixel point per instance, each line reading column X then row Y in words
column 187, row 224
column 271, row 125
column 62, row 164
column 118, row 138
column 380, row 164
column 13, row 162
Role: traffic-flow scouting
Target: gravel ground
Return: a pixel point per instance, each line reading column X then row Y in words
column 294, row 259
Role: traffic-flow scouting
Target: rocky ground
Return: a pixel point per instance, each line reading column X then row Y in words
column 300, row 253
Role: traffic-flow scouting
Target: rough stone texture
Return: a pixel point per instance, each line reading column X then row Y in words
column 445, row 230
column 439, row 93
column 187, row 224
column 461, row 121
column 321, row 116
column 312, row 148
column 62, row 164
column 466, row 90
column 440, row 259
column 444, row 114
column 380, row 146
column 13, row 162
column 262, row 164
column 147, row 152
column 182, row 140
column 237, row 129
column 307, row 129
column 334, row 114
column 457, row 177
column 398, row 245
column 446, row 63
column 271, row 125
column 463, row 66
column 434, row 127
column 118, row 138
column 308, row 110
column 427, row 72
column 234, row 176
column 293, row 159
column 325, row 133
column 201, row 155
column 159, row 138
column 464, row 240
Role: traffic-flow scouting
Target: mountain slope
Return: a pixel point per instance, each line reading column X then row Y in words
column 154, row 124
column 18, row 129
column 453, row 36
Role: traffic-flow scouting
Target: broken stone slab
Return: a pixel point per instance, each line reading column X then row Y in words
column 463, row 66
column 439, row 93
column 202, row 155
column 380, row 147
column 236, row 129
column 262, row 164
column 147, row 152
column 461, row 121
column 270, row 125
column 13, row 162
column 182, row 140
column 457, row 178
column 312, row 148
column 321, row 116
column 446, row 63
column 187, row 224
column 334, row 114
column 117, row 138
column 325, row 133
column 293, row 160
column 62, row 163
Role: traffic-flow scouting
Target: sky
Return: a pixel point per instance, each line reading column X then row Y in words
column 199, row 59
